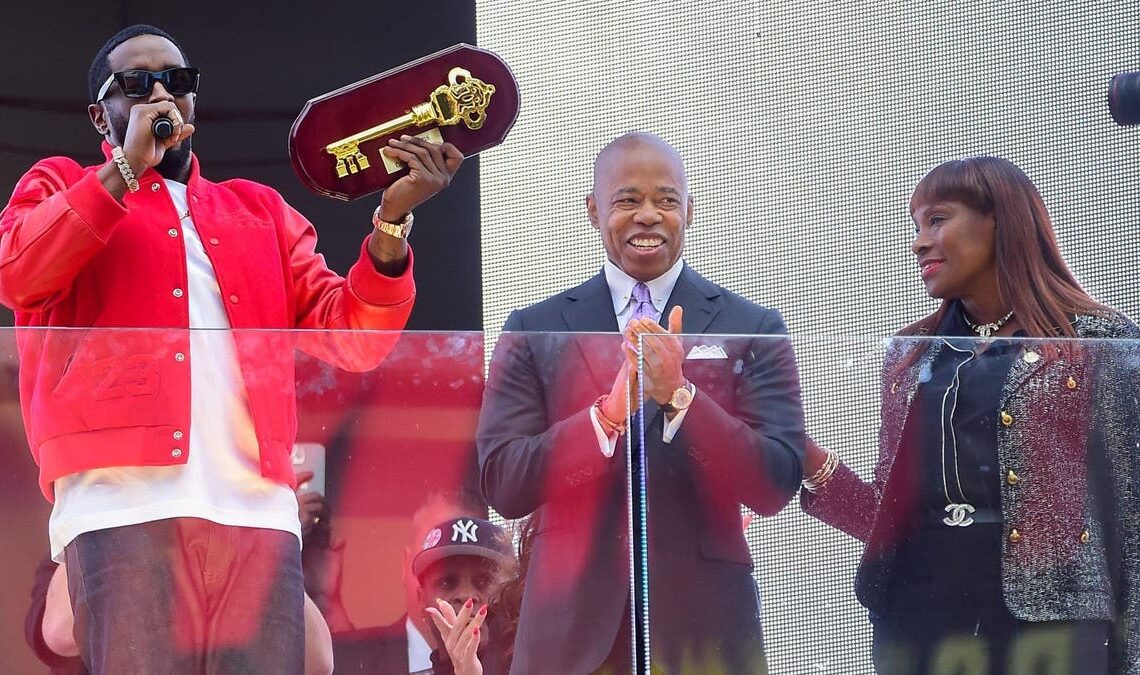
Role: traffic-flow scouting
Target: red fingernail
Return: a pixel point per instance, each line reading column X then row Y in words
column 476, row 633
column 483, row 609
column 470, row 602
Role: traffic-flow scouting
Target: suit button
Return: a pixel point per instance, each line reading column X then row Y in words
column 177, row 292
column 177, row 435
column 1012, row 478
column 1031, row 357
column 1084, row 536
column 176, row 453
column 234, row 299
column 214, row 241
column 1006, row 419
column 154, row 187
column 1014, row 537
column 1072, row 383
column 179, row 357
column 894, row 387
column 172, row 232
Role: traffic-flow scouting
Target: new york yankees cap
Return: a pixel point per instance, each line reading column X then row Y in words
column 463, row 536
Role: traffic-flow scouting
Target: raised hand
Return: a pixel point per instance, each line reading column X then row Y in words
column 663, row 356
column 431, row 167
column 141, row 148
column 460, row 633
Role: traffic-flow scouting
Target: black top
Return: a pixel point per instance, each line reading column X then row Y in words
column 946, row 573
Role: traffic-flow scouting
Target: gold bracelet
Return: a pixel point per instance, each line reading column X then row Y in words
column 125, row 169
column 824, row 474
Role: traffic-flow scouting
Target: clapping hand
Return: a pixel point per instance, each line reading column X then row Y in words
column 662, row 356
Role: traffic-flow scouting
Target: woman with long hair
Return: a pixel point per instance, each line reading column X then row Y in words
column 1002, row 523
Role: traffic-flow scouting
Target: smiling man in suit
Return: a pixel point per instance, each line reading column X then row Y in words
column 719, row 431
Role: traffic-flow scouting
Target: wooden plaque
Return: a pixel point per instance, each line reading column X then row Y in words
column 463, row 95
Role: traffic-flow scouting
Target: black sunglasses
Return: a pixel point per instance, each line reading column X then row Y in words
column 139, row 83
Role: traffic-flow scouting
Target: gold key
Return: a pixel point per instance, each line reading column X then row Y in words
column 462, row 99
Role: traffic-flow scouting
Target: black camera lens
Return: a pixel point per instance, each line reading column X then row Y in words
column 1124, row 98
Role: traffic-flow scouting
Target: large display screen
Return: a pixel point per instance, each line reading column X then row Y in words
column 804, row 127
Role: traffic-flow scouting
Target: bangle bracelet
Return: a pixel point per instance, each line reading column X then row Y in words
column 125, row 169
column 824, row 474
column 608, row 425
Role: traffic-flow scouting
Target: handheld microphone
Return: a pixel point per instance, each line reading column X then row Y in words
column 162, row 128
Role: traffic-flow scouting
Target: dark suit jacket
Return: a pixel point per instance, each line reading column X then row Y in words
column 740, row 443
column 379, row 649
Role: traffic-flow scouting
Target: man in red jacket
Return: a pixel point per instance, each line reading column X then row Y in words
column 166, row 450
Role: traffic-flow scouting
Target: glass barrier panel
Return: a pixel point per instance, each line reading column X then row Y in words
column 404, row 498
column 133, row 428
column 550, row 454
column 968, row 505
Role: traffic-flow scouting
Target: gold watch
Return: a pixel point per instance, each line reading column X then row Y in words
column 399, row 230
column 682, row 398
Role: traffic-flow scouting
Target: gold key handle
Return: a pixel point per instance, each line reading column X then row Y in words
column 462, row 99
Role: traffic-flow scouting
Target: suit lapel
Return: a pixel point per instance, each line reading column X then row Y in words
column 589, row 308
column 698, row 297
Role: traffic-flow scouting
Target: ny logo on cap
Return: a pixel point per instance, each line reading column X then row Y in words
column 463, row 531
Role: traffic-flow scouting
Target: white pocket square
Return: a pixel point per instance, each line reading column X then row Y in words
column 707, row 352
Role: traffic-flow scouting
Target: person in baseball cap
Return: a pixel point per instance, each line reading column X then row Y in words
column 463, row 562
column 465, row 537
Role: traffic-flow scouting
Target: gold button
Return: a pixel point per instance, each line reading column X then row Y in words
column 1014, row 536
column 1071, row 384
column 1031, row 357
column 1084, row 536
column 894, row 387
column 1006, row 418
column 1012, row 478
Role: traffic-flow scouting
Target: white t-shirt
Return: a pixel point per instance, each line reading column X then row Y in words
column 221, row 480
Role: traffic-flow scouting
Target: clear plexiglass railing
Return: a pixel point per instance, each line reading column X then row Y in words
column 974, row 505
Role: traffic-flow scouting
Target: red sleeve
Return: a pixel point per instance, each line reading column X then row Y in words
column 58, row 218
column 365, row 299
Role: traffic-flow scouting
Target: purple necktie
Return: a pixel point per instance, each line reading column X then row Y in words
column 642, row 303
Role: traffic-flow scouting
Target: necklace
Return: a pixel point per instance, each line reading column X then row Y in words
column 958, row 512
column 988, row 329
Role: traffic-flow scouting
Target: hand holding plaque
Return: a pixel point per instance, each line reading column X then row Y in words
column 462, row 95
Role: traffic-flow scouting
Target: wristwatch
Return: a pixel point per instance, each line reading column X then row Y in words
column 399, row 230
column 682, row 398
